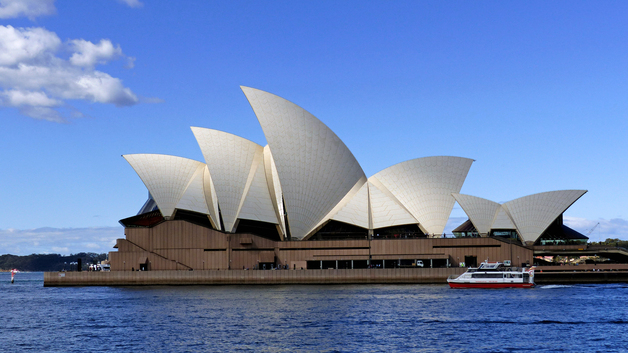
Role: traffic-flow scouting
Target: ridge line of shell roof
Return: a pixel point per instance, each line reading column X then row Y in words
column 413, row 159
column 547, row 192
column 159, row 154
column 477, row 197
column 535, row 194
column 228, row 133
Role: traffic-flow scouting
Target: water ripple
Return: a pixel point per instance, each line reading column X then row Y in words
column 351, row 318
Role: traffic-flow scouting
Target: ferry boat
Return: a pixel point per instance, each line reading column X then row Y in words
column 493, row 275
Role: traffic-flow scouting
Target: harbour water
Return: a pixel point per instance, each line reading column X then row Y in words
column 311, row 318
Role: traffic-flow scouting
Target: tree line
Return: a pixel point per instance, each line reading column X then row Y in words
column 49, row 262
column 612, row 242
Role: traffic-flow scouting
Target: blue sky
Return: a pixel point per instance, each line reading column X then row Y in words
column 534, row 91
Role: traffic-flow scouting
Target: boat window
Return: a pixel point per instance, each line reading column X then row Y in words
column 488, row 266
column 487, row 275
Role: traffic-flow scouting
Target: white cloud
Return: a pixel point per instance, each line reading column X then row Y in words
column 88, row 54
column 38, row 82
column 19, row 98
column 26, row 8
column 130, row 62
column 42, row 113
column 35, row 8
column 26, row 45
column 62, row 241
column 132, row 3
column 58, row 250
column 607, row 228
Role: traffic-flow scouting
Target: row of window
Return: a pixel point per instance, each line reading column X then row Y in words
column 500, row 275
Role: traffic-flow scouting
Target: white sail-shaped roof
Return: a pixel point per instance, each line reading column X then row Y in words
column 166, row 177
column 315, row 167
column 230, row 160
column 424, row 187
column 193, row 198
column 212, row 201
column 257, row 204
column 481, row 211
column 352, row 209
column 534, row 213
column 386, row 210
column 274, row 187
column 502, row 220
column 306, row 176
column 356, row 208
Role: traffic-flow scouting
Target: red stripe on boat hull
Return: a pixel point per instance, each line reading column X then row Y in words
column 491, row 285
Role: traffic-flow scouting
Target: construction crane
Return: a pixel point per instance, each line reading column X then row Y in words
column 592, row 229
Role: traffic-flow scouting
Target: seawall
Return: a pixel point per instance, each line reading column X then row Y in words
column 231, row 277
column 598, row 273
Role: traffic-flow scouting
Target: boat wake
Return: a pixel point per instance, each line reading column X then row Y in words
column 554, row 286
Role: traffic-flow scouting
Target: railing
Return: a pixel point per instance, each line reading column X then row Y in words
column 416, row 235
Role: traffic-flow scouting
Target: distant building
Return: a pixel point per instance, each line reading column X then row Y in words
column 303, row 201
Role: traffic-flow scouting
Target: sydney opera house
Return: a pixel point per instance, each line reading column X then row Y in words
column 303, row 202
